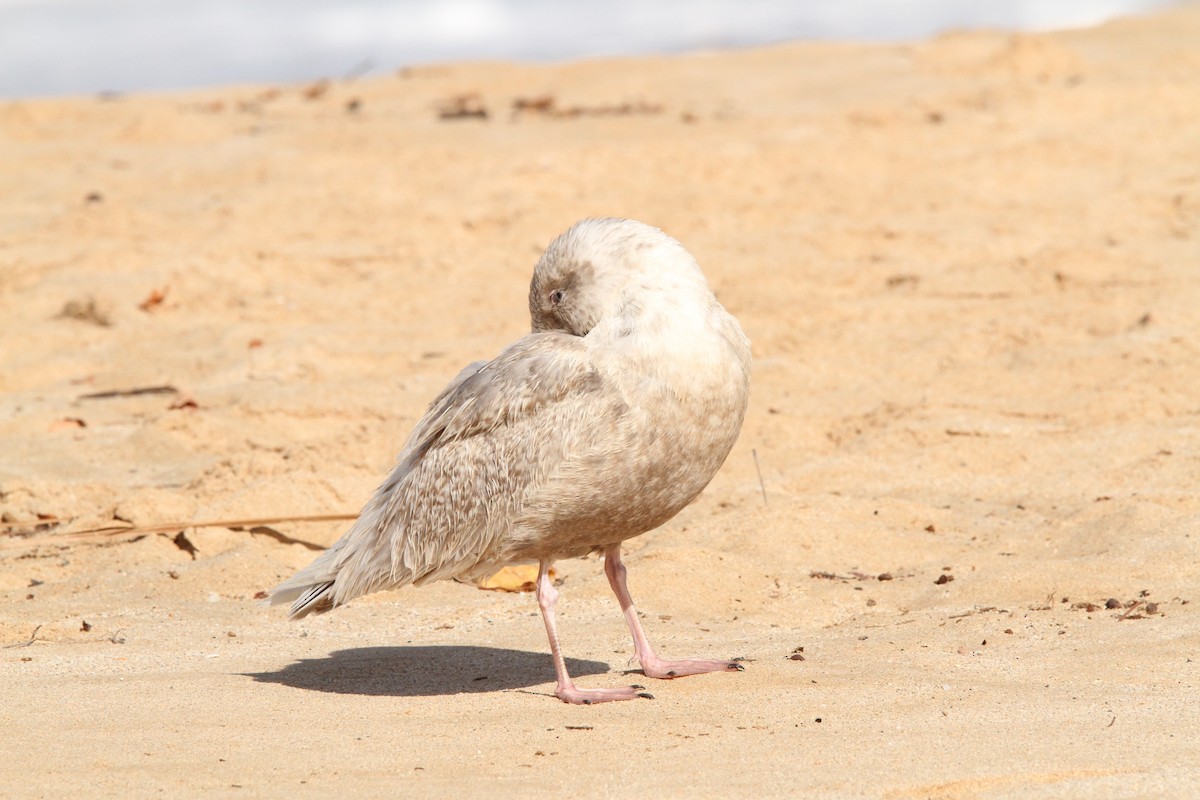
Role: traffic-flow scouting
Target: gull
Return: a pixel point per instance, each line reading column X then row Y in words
column 601, row 424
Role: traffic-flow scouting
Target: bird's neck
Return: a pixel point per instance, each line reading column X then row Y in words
column 684, row 342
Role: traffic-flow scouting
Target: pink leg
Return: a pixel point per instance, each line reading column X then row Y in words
column 566, row 690
column 652, row 665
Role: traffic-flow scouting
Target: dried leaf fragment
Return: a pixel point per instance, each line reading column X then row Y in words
column 154, row 299
column 464, row 106
column 316, row 90
column 185, row 544
column 86, row 309
column 522, row 578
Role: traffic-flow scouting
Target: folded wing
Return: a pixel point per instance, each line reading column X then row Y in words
column 486, row 443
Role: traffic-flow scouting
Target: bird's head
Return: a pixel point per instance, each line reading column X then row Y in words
column 602, row 269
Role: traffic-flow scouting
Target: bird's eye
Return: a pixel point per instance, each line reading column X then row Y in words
column 556, row 296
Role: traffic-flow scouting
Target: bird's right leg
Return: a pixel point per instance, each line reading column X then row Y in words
column 566, row 689
column 652, row 665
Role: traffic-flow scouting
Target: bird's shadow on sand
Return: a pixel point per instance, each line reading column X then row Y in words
column 423, row 671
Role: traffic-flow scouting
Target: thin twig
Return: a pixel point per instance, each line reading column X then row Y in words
column 761, row 485
column 32, row 639
column 1130, row 610
column 129, row 392
column 94, row 534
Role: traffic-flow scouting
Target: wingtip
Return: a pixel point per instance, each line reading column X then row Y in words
column 314, row 599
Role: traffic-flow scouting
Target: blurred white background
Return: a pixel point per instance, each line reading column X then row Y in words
column 52, row 47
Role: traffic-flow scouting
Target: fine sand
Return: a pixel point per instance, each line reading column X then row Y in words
column 956, row 542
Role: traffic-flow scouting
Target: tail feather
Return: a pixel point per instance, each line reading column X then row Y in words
column 308, row 597
column 354, row 565
column 316, row 599
column 361, row 561
column 311, row 590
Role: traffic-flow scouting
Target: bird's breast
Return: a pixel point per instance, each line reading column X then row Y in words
column 676, row 407
column 686, row 407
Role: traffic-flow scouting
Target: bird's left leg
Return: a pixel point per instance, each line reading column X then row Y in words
column 652, row 665
column 566, row 690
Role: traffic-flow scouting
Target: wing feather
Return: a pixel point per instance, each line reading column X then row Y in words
column 493, row 434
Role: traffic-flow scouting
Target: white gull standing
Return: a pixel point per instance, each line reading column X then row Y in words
column 601, row 424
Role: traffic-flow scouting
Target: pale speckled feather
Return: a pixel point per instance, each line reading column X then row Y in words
column 600, row 425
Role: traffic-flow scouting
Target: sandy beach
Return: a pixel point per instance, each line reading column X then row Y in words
column 956, row 542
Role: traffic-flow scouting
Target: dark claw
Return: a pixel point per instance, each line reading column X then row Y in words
column 587, row 702
column 733, row 665
column 671, row 674
column 637, row 686
column 646, row 695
